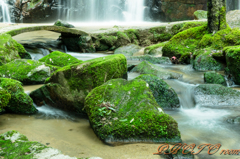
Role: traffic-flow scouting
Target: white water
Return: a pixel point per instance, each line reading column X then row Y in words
column 101, row 10
column 4, row 12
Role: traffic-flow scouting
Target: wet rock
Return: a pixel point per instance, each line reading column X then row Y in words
column 200, row 14
column 154, row 49
column 149, row 68
column 15, row 144
column 118, row 117
column 233, row 18
column 235, row 120
column 59, row 59
column 165, row 96
column 19, row 102
column 214, row 78
column 152, row 59
column 63, row 24
column 216, row 95
column 68, row 86
column 27, row 71
column 128, row 50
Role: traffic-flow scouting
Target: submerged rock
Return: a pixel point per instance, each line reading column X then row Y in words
column 63, row 24
column 214, row 78
column 16, row 145
column 27, row 71
column 216, row 95
column 123, row 111
column 149, row 68
column 19, row 102
column 165, row 96
column 59, row 59
column 200, row 14
column 128, row 50
column 152, row 59
column 68, row 86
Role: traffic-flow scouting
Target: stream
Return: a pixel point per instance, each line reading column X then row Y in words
column 74, row 137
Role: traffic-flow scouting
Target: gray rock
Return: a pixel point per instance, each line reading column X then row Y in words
column 128, row 50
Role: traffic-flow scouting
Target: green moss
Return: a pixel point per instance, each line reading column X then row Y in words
column 149, row 49
column 133, row 35
column 26, row 71
column 126, row 110
column 165, row 96
column 4, row 99
column 20, row 102
column 214, row 78
column 60, row 59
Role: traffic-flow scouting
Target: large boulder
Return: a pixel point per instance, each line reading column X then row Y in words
column 59, row 59
column 214, row 78
column 10, row 49
column 123, row 111
column 20, row 102
column 149, row 68
column 215, row 95
column 16, row 145
column 165, row 96
column 27, row 71
column 233, row 61
column 152, row 59
column 128, row 50
column 68, row 86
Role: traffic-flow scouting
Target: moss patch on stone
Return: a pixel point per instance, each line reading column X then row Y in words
column 123, row 111
column 214, row 78
column 60, row 59
column 4, row 99
column 151, row 49
column 20, row 102
column 165, row 96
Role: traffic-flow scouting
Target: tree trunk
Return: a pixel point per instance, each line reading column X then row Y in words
column 216, row 15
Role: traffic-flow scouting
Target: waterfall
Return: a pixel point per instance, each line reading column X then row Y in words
column 4, row 12
column 101, row 10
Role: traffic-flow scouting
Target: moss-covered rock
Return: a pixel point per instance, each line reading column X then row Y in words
column 149, row 68
column 60, row 59
column 165, row 96
column 214, row 78
column 20, row 102
column 204, row 60
column 27, row 71
column 128, row 50
column 216, row 95
column 15, row 145
column 233, row 61
column 154, row 49
column 69, row 85
column 200, row 14
column 63, row 24
column 152, row 59
column 4, row 99
column 123, row 111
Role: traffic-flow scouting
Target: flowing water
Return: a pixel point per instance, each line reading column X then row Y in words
column 4, row 12
column 73, row 135
column 101, row 10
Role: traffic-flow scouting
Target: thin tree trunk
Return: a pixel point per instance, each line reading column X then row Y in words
column 216, row 15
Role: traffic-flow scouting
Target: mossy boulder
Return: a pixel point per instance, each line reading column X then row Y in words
column 68, row 86
column 214, row 78
column 63, row 24
column 20, row 102
column 165, row 96
column 59, row 59
column 27, row 71
column 200, row 14
column 232, row 54
column 146, row 67
column 215, row 95
column 128, row 50
column 10, row 49
column 152, row 59
column 154, row 49
column 4, row 99
column 204, row 60
column 122, row 39
column 123, row 111
column 15, row 145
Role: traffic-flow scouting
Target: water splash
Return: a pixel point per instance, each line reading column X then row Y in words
column 4, row 12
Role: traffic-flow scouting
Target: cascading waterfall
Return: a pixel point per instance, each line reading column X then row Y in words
column 101, row 10
column 4, row 12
